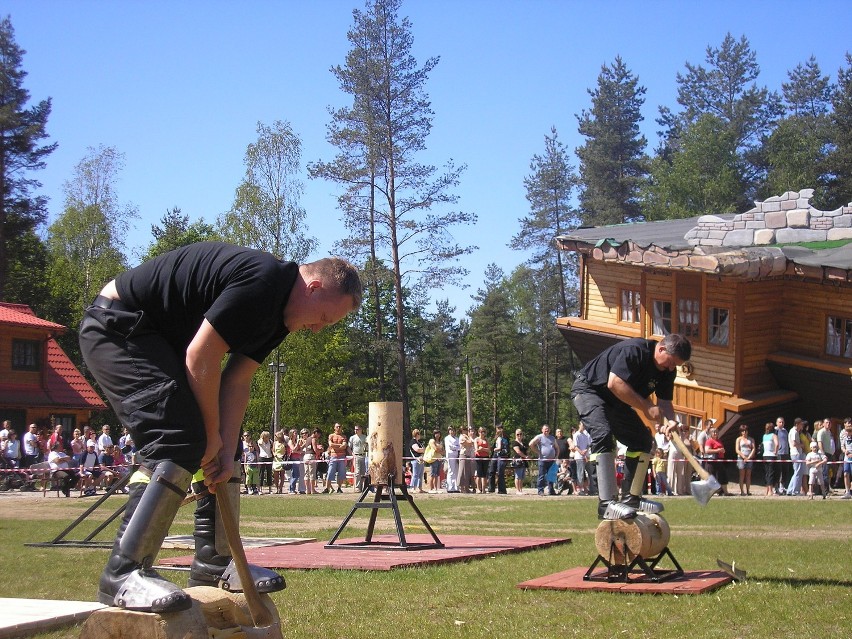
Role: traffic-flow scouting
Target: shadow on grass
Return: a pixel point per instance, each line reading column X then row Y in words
column 795, row 582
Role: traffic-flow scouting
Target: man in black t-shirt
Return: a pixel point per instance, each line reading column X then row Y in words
column 610, row 392
column 154, row 339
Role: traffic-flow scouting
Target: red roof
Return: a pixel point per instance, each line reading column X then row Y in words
column 22, row 315
column 63, row 385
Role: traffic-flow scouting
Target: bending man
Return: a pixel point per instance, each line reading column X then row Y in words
column 154, row 339
column 610, row 393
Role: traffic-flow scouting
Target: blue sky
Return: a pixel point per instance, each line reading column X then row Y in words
column 178, row 87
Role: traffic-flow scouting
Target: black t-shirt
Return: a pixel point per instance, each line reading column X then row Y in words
column 242, row 293
column 633, row 361
column 562, row 448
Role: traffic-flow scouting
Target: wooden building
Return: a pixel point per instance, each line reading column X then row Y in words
column 769, row 317
column 38, row 383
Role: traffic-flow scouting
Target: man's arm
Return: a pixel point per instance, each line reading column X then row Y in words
column 623, row 391
column 222, row 397
column 233, row 400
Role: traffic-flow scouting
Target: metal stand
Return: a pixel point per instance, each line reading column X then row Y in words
column 60, row 540
column 382, row 500
column 647, row 569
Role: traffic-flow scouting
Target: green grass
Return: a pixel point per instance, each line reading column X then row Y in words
column 797, row 553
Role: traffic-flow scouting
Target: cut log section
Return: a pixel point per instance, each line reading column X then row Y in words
column 215, row 613
column 385, row 441
column 620, row 541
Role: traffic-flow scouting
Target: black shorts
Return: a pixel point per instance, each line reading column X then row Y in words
column 482, row 466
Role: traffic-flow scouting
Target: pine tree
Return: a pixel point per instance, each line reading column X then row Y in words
column 549, row 188
column 612, row 160
column 794, row 154
column 21, row 130
column 722, row 97
column 391, row 198
column 839, row 162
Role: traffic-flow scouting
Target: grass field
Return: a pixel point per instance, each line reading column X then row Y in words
column 797, row 553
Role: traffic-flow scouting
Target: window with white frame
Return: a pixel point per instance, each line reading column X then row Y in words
column 718, row 320
column 838, row 337
column 630, row 305
column 688, row 320
column 662, row 317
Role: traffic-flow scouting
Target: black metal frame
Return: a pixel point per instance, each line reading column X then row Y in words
column 616, row 572
column 385, row 500
column 60, row 540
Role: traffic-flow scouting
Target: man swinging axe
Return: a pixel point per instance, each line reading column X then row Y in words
column 155, row 339
column 610, row 392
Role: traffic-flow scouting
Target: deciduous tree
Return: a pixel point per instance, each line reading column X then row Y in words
column 266, row 213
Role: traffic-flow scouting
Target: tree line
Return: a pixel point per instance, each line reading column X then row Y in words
column 729, row 140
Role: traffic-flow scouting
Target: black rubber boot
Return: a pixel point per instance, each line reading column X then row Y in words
column 210, row 566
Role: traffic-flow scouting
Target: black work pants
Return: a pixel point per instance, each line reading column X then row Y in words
column 608, row 422
column 145, row 382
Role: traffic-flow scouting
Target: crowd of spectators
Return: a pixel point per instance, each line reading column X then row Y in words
column 82, row 459
column 804, row 460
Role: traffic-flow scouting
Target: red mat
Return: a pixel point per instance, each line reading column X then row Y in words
column 693, row 582
column 314, row 555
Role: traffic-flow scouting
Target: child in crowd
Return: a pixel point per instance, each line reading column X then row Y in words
column 660, row 465
column 251, row 469
column 815, row 460
column 564, row 481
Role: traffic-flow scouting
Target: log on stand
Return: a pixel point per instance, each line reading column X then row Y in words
column 386, row 478
column 625, row 545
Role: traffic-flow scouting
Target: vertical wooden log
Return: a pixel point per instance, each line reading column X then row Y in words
column 384, row 437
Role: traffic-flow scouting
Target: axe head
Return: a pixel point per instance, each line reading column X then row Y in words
column 704, row 489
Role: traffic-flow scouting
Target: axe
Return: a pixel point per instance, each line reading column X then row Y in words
column 704, row 488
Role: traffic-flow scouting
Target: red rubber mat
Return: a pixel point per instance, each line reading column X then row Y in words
column 693, row 582
column 314, row 555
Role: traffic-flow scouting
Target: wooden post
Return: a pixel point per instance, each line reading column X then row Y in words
column 385, row 440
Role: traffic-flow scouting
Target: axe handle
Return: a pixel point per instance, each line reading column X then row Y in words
column 259, row 613
column 684, row 449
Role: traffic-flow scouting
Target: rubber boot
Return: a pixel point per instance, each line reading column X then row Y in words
column 608, row 505
column 212, row 564
column 633, row 484
column 128, row 581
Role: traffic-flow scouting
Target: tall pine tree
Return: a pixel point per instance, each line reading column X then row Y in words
column 612, row 160
column 21, row 130
column 742, row 112
column 549, row 188
column 398, row 202
column 795, row 152
column 839, row 161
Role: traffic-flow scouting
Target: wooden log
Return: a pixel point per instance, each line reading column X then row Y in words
column 620, row 541
column 214, row 613
column 384, row 437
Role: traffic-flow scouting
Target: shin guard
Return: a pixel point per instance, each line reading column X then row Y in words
column 128, row 581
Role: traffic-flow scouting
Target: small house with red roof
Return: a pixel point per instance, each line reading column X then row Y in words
column 38, row 382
